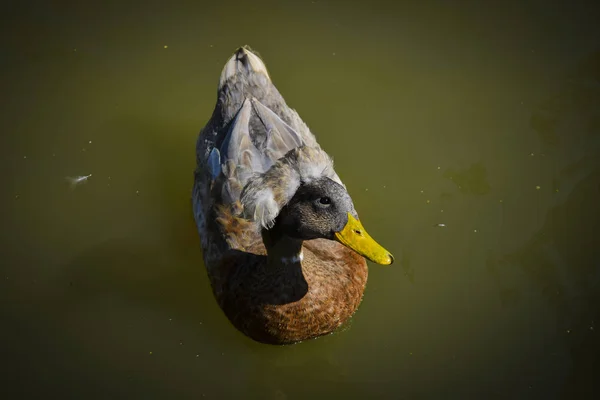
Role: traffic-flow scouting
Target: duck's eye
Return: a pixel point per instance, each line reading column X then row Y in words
column 325, row 200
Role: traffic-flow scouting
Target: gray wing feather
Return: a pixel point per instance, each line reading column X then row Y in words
column 239, row 158
column 281, row 137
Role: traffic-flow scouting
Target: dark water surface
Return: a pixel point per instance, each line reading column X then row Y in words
column 481, row 116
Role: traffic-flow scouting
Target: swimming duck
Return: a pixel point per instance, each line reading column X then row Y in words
column 282, row 242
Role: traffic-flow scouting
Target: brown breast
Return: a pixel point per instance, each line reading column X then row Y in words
column 291, row 303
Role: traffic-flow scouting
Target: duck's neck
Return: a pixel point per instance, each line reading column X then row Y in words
column 282, row 250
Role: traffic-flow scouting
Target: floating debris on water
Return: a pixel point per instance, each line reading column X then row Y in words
column 538, row 187
column 74, row 181
column 428, row 201
column 440, row 225
column 166, row 47
column 475, row 230
column 90, row 142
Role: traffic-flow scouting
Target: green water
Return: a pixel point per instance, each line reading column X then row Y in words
column 485, row 118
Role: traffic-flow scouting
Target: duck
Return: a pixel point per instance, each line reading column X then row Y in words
column 283, row 246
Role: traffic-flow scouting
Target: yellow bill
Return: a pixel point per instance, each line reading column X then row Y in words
column 355, row 237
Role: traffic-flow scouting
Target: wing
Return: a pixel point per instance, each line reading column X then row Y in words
column 256, row 139
column 280, row 137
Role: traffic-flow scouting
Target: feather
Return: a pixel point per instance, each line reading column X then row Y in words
column 281, row 137
column 214, row 163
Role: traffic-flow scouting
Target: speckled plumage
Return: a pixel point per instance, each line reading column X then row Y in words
column 252, row 156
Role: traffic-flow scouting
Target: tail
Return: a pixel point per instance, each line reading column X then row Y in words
column 242, row 64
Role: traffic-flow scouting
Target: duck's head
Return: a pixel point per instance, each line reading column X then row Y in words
column 302, row 197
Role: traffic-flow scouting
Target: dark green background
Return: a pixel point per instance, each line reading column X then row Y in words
column 464, row 107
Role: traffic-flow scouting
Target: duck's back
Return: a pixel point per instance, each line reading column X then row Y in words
column 251, row 128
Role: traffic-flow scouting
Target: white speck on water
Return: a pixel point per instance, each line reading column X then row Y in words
column 367, row 189
column 384, row 186
column 475, row 230
column 197, row 355
column 53, row 155
column 439, row 167
column 74, row 181
column 334, row 54
column 538, row 187
column 90, row 142
column 440, row 225
column 83, row 149
column 421, row 192
column 137, row 192
column 441, row 210
column 24, row 156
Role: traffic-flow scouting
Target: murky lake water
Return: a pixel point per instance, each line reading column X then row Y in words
column 485, row 119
